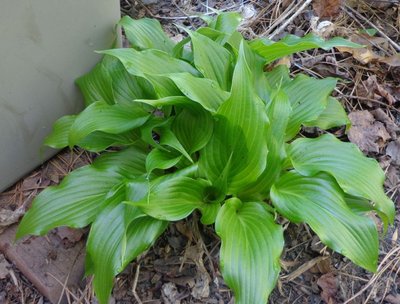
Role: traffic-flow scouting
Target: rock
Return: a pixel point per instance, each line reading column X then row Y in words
column 45, row 262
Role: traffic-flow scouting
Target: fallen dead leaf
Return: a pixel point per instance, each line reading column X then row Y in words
column 370, row 88
column 170, row 294
column 393, row 61
column 303, row 268
column 391, row 127
column 9, row 217
column 362, row 55
column 393, row 299
column 393, row 150
column 4, row 266
column 327, row 8
column 367, row 133
column 329, row 285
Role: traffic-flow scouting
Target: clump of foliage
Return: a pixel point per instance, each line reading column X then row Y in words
column 200, row 125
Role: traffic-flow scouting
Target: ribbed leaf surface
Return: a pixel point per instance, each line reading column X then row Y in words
column 100, row 116
column 319, row 201
column 239, row 133
column 212, row 60
column 82, row 195
column 204, row 91
column 334, row 115
column 309, row 98
column 251, row 246
column 174, row 198
column 356, row 174
column 146, row 33
column 272, row 50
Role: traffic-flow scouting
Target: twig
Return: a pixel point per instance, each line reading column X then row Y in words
column 287, row 22
column 289, row 10
column 134, row 285
column 353, row 12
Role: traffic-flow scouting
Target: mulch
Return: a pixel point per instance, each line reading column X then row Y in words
column 182, row 267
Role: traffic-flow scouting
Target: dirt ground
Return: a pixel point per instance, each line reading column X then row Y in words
column 182, row 267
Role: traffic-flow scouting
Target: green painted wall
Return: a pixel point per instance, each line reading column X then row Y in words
column 44, row 46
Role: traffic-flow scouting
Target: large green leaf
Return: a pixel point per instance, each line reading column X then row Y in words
column 97, row 85
column 309, row 98
column 291, row 44
column 193, row 128
column 82, row 194
column 117, row 236
column 334, row 115
column 126, row 87
column 355, row 173
column 113, row 119
column 99, row 141
column 212, row 60
column 278, row 112
column 95, row 142
column 175, row 198
column 204, row 91
column 239, row 133
column 151, row 62
column 58, row 138
column 161, row 159
column 319, row 201
column 146, row 33
column 226, row 22
column 251, row 246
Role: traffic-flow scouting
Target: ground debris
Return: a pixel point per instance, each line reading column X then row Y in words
column 367, row 133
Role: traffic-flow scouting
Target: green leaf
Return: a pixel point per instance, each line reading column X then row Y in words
column 333, row 116
column 309, row 98
column 99, row 141
column 226, row 22
column 117, row 236
column 212, row 60
column 168, row 101
column 97, row 85
column 160, row 159
column 319, row 201
column 278, row 111
column 126, row 87
column 291, row 44
column 146, row 33
column 104, row 246
column 173, row 199
column 100, row 116
column 151, row 62
column 239, row 133
column 356, row 174
column 58, row 138
column 251, row 246
column 204, row 91
column 193, row 129
column 83, row 194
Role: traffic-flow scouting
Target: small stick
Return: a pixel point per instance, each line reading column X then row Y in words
column 353, row 11
column 287, row 22
column 134, row 285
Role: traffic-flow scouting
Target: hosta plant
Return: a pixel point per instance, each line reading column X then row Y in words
column 203, row 126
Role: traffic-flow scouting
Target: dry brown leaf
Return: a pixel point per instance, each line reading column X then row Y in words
column 393, row 299
column 329, row 285
column 327, row 8
column 4, row 266
column 393, row 61
column 9, row 217
column 369, row 135
column 391, row 127
column 363, row 55
column 393, row 150
column 370, row 88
